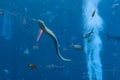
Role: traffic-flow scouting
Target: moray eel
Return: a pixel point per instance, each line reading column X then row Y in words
column 52, row 35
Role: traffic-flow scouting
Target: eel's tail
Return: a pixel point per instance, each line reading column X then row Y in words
column 64, row 59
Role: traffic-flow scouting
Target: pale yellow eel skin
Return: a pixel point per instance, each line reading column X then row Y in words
column 52, row 35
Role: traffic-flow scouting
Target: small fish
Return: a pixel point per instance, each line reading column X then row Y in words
column 93, row 13
column 36, row 47
column 77, row 46
column 49, row 12
column 86, row 35
column 113, row 37
column 24, row 21
column 26, row 51
column 32, row 66
column 88, row 40
column 26, row 10
column 6, row 71
column 65, row 49
column 1, row 13
column 54, row 66
column 115, row 5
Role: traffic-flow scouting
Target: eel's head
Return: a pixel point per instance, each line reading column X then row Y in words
column 41, row 24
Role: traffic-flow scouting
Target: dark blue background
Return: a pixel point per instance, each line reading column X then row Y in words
column 67, row 24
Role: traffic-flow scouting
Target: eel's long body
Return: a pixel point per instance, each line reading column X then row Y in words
column 52, row 35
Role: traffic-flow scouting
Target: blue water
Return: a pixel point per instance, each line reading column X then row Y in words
column 69, row 20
